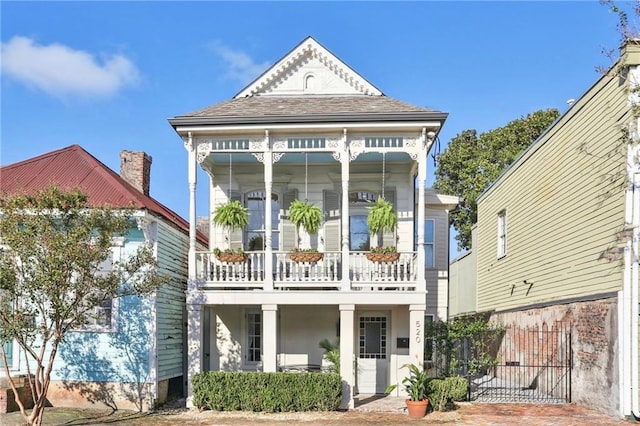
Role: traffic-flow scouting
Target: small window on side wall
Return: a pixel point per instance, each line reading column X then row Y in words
column 502, row 234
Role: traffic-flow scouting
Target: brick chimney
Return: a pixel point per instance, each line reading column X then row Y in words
column 135, row 168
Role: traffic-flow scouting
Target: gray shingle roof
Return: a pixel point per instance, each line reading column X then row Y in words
column 307, row 108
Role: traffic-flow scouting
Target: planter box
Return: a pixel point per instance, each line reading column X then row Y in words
column 383, row 257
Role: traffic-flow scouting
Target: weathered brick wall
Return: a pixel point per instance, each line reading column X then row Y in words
column 594, row 329
column 7, row 400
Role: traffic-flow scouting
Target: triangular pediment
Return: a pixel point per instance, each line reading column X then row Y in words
column 309, row 69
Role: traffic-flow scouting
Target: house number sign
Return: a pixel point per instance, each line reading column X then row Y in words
column 418, row 331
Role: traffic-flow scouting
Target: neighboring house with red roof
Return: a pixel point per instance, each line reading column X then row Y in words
column 134, row 357
column 312, row 128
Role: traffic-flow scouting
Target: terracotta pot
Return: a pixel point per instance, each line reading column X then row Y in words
column 417, row 409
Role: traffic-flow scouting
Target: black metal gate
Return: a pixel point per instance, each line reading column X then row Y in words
column 532, row 365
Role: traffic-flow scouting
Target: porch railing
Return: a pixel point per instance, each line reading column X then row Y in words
column 324, row 274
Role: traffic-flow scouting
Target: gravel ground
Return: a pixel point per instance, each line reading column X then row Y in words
column 475, row 414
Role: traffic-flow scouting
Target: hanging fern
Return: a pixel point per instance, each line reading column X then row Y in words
column 382, row 217
column 231, row 215
column 305, row 215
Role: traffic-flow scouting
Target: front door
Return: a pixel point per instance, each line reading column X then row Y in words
column 373, row 358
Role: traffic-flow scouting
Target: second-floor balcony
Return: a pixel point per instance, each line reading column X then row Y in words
column 325, row 274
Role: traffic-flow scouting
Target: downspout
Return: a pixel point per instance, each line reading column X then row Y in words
column 634, row 292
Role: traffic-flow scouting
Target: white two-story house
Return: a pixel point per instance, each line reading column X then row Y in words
column 311, row 128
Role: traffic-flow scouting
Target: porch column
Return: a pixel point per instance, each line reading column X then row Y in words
column 416, row 337
column 347, row 344
column 195, row 318
column 344, row 173
column 268, row 231
column 191, row 148
column 421, row 284
column 269, row 331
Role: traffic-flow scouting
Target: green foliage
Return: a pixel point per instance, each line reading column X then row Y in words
column 54, row 243
column 303, row 250
column 218, row 251
column 443, row 392
column 331, row 354
column 268, row 392
column 305, row 215
column 389, row 249
column 231, row 216
column 471, row 163
column 472, row 334
column 381, row 217
column 415, row 384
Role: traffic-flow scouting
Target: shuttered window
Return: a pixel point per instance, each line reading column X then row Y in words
column 288, row 229
column 331, row 209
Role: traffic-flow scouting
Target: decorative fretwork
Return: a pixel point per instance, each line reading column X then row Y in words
column 277, row 156
column 259, row 156
column 335, row 143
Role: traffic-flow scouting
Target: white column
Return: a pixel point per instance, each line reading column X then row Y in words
column 344, row 173
column 347, row 344
column 422, row 178
column 416, row 334
column 268, row 235
column 270, row 335
column 192, row 207
column 194, row 346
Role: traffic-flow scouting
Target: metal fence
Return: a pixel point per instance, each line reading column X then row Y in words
column 530, row 364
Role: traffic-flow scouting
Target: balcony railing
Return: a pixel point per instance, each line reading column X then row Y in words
column 325, row 274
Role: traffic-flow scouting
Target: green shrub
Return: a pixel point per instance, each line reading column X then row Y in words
column 443, row 392
column 268, row 392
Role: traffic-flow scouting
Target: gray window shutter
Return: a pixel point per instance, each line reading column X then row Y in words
column 389, row 238
column 288, row 232
column 235, row 237
column 331, row 208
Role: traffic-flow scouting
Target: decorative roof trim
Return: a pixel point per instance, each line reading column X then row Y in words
column 310, row 46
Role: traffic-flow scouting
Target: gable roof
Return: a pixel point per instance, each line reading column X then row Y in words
column 283, row 95
column 301, row 60
column 73, row 167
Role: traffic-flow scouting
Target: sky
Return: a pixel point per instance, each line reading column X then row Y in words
column 108, row 75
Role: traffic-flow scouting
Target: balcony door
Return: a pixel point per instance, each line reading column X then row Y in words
column 373, row 353
column 256, row 203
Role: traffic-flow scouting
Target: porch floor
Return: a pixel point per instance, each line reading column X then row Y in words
column 379, row 403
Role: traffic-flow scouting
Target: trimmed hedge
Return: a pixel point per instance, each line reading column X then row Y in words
column 268, row 392
column 443, row 392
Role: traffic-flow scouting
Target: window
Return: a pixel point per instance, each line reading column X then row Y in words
column 428, row 342
column 102, row 318
column 254, row 337
column 358, row 233
column 502, row 233
column 256, row 229
column 373, row 337
column 429, row 243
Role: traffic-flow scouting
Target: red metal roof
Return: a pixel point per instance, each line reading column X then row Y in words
column 73, row 167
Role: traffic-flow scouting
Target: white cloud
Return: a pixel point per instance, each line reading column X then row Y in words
column 62, row 71
column 240, row 66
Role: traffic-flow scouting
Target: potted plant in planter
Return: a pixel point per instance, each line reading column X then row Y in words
column 382, row 217
column 231, row 216
column 308, row 216
column 415, row 385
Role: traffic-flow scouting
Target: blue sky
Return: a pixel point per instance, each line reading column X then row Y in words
column 107, row 75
